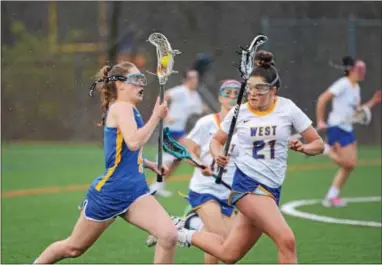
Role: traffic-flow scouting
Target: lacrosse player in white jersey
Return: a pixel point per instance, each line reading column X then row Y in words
column 184, row 101
column 346, row 98
column 263, row 131
column 209, row 202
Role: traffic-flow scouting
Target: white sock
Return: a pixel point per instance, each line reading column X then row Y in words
column 35, row 262
column 196, row 223
column 332, row 193
column 189, row 236
column 326, row 149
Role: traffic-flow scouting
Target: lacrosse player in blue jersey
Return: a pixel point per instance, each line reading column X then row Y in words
column 122, row 189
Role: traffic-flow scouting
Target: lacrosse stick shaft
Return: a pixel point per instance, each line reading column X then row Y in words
column 160, row 139
column 222, row 182
column 232, row 128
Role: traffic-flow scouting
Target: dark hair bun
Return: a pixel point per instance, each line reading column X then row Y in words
column 264, row 58
column 348, row 61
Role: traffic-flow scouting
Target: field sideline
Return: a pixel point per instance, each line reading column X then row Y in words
column 42, row 184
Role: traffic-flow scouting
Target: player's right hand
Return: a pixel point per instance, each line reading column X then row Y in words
column 321, row 125
column 160, row 110
column 207, row 171
column 221, row 160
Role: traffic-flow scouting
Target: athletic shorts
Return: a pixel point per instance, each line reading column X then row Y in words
column 243, row 185
column 197, row 200
column 100, row 207
column 338, row 135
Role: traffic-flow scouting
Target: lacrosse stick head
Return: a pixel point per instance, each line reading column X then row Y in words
column 362, row 116
column 248, row 56
column 171, row 146
column 165, row 56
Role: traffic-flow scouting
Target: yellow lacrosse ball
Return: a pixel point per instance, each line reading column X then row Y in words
column 164, row 61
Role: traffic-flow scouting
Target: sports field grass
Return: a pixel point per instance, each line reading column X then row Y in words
column 43, row 184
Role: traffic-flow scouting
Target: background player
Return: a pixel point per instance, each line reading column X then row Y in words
column 184, row 100
column 346, row 97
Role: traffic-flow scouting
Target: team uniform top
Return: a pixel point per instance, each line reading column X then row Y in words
column 124, row 168
column 346, row 99
column 263, row 139
column 183, row 104
column 202, row 134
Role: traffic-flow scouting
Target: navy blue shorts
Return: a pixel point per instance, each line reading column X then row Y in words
column 338, row 135
column 198, row 199
column 177, row 134
column 100, row 207
column 243, row 185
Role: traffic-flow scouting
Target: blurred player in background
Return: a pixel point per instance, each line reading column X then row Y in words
column 184, row 100
column 346, row 98
column 122, row 189
column 209, row 200
column 263, row 134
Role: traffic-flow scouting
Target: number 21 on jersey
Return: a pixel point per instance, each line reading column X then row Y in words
column 258, row 151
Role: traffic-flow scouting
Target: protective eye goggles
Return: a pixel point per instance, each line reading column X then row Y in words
column 229, row 89
column 229, row 92
column 261, row 88
column 137, row 79
column 258, row 88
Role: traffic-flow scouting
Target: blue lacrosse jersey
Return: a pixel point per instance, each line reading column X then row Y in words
column 124, row 168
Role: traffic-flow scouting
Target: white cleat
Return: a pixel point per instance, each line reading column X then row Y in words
column 151, row 241
column 178, row 222
column 336, row 202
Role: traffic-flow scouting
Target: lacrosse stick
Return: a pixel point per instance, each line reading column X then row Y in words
column 179, row 151
column 360, row 116
column 165, row 63
column 245, row 68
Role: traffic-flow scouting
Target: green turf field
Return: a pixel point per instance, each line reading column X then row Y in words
column 50, row 182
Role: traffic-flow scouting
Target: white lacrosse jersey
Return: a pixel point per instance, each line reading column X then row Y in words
column 184, row 103
column 263, row 139
column 202, row 134
column 346, row 99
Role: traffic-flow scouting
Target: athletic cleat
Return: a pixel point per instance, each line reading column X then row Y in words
column 336, row 202
column 179, row 224
column 151, row 241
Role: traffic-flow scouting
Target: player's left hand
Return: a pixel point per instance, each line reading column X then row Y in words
column 296, row 145
column 377, row 97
